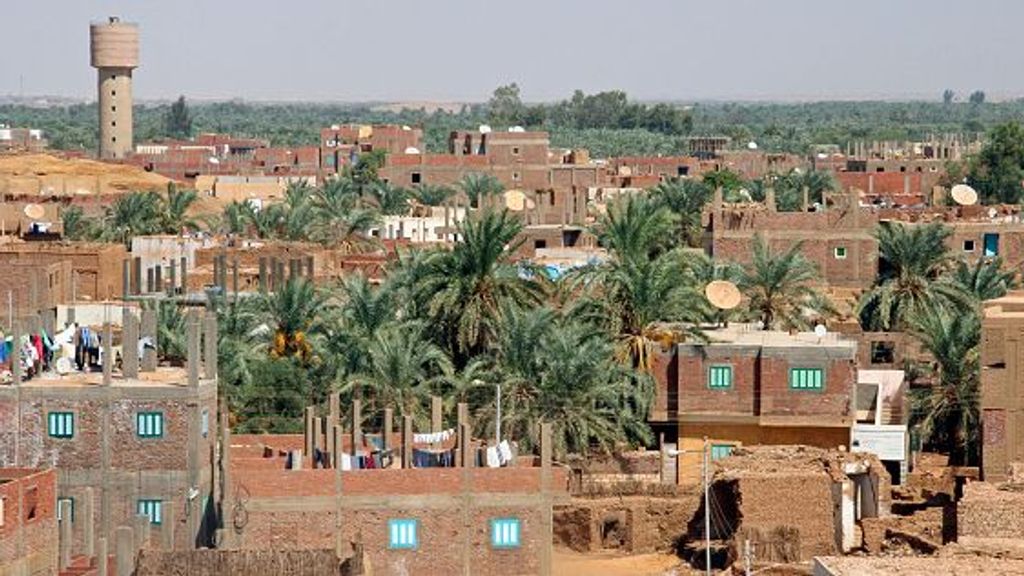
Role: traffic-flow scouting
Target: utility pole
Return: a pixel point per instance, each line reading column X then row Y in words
column 707, row 512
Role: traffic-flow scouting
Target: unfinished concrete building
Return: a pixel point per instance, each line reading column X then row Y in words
column 1002, row 387
column 96, row 272
column 746, row 387
column 115, row 54
column 128, row 442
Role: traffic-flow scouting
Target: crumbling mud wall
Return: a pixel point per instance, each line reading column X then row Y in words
column 634, row 524
column 238, row 563
column 991, row 511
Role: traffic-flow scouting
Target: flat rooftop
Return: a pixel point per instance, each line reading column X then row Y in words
column 750, row 335
column 164, row 376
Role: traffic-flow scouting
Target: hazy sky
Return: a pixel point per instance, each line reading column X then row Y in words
column 461, row 49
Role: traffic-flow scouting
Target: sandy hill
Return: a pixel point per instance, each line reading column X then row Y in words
column 43, row 174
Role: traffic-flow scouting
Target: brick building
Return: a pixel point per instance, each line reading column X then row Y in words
column 839, row 240
column 135, row 441
column 96, row 269
column 28, row 521
column 747, row 386
column 1002, row 391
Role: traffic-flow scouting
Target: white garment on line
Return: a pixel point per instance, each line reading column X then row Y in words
column 505, row 451
column 493, row 458
column 346, row 461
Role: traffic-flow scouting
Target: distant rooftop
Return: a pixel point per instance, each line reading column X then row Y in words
column 750, row 335
column 164, row 376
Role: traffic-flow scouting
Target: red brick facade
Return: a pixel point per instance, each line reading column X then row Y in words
column 28, row 525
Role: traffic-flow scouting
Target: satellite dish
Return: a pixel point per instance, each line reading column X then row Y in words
column 34, row 211
column 412, row 150
column 722, row 294
column 820, row 331
column 752, row 145
column 964, row 195
column 485, row 129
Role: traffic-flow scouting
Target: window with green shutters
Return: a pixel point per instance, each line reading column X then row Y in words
column 720, row 377
column 60, row 424
column 151, row 508
column 402, row 534
column 505, row 533
column 806, row 379
column 719, row 451
column 60, row 508
column 149, row 424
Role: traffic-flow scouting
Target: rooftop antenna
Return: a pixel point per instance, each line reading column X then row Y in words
column 964, row 195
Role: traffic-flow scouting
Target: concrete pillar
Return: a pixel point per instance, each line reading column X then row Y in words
column 334, row 410
column 102, row 562
column 64, row 535
column 142, row 527
column 357, row 426
column 86, row 513
column 150, row 280
column 389, row 425
column 216, row 271
column 184, row 275
column 332, row 460
column 16, row 352
column 158, row 278
column 318, row 439
column 337, row 433
column 126, row 278
column 148, row 330
column 547, row 530
column 263, row 274
column 806, row 198
column 309, row 268
column 167, row 528
column 436, row 414
column 192, row 355
column 769, row 198
column 310, row 414
column 108, row 353
column 275, row 281
column 406, row 442
column 210, row 346
column 174, row 278
column 136, row 275
column 124, row 550
column 129, row 344
column 293, row 270
column 296, row 459
column 281, row 280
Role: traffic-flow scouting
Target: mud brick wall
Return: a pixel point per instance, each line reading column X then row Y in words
column 769, row 502
column 985, row 511
column 237, row 563
column 645, row 524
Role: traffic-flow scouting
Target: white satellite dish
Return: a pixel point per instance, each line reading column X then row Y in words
column 485, row 129
column 820, row 331
column 34, row 211
column 412, row 150
column 723, row 294
column 752, row 145
column 964, row 195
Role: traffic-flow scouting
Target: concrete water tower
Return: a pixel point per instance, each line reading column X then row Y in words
column 114, row 54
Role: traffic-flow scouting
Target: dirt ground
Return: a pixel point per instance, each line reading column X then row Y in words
column 570, row 563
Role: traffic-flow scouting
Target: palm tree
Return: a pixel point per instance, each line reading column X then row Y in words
column 401, row 367
column 133, row 214
column 911, row 260
column 389, row 200
column 985, row 280
column 170, row 327
column 636, row 228
column 948, row 413
column 296, row 214
column 175, row 210
column 686, row 199
column 779, row 288
column 476, row 277
column 76, row 226
column 236, row 217
column 430, row 195
column 479, row 187
column 292, row 313
column 641, row 286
